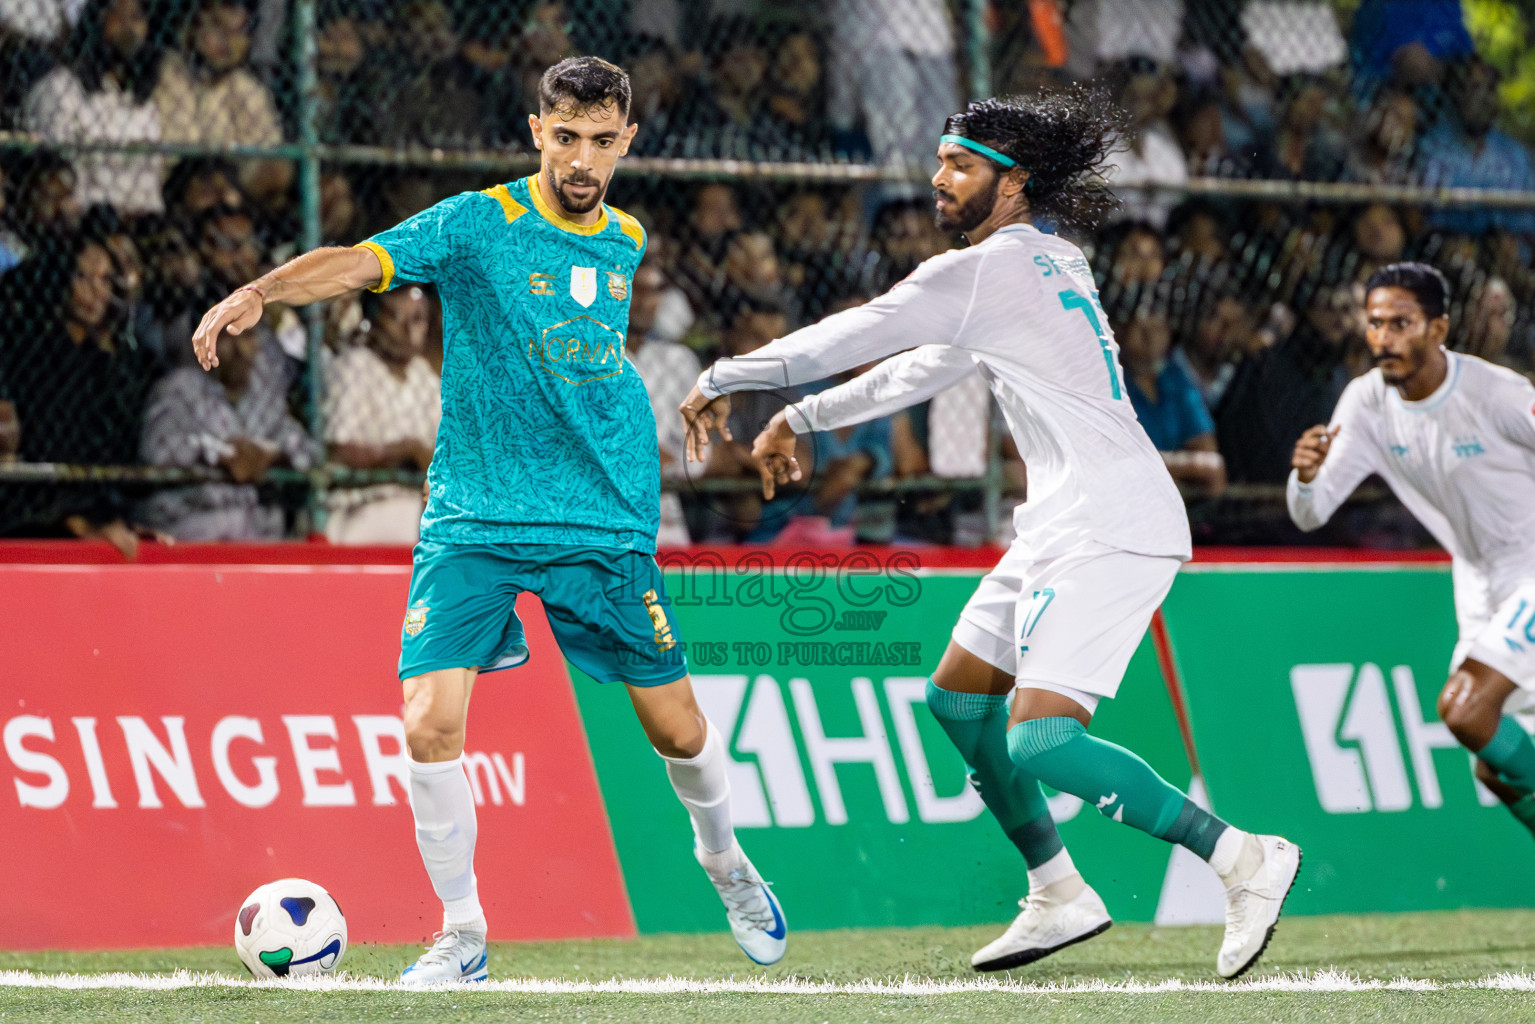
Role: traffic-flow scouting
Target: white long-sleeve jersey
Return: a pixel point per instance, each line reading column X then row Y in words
column 1462, row 460
column 1022, row 307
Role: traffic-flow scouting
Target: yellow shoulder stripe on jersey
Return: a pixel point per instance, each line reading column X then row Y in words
column 384, row 260
column 511, row 207
column 629, row 226
column 559, row 220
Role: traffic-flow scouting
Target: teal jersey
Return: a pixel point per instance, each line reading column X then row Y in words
column 547, row 435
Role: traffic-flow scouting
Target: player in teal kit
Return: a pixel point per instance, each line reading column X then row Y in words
column 545, row 478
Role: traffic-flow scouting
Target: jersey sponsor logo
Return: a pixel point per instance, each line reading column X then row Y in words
column 618, row 286
column 580, row 350
column 664, row 639
column 583, row 284
column 540, row 284
column 415, row 619
column 1468, row 447
column 1353, row 739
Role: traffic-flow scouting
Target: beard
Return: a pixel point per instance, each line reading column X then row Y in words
column 1408, row 365
column 570, row 203
column 966, row 216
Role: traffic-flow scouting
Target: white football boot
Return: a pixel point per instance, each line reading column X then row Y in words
column 1045, row 926
column 1253, row 904
column 456, row 956
column 756, row 919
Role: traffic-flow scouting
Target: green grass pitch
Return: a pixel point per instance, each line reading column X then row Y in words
column 1472, row 965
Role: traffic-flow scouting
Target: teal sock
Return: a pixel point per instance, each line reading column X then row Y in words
column 1512, row 754
column 1059, row 752
column 976, row 723
column 1523, row 811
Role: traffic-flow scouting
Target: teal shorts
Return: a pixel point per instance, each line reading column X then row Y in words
column 607, row 607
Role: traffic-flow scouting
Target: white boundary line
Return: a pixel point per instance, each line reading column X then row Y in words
column 1312, row 567
column 1319, row 982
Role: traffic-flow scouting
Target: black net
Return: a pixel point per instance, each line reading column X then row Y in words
column 157, row 155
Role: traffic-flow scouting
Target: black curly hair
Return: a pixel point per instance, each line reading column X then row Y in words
column 1062, row 136
column 578, row 83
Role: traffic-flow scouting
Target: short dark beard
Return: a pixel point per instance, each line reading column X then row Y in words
column 596, row 200
column 969, row 215
column 1414, row 359
column 1397, row 378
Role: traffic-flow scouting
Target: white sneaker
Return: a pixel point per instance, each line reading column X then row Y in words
column 456, row 956
column 756, row 919
column 1044, row 926
column 1253, row 905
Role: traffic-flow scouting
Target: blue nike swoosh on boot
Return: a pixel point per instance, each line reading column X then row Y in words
column 475, row 965
column 779, row 929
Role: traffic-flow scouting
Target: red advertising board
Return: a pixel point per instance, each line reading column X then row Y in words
column 175, row 735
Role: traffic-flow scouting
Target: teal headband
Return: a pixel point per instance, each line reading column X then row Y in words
column 984, row 150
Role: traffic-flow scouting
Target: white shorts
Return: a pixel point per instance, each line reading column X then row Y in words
column 1503, row 639
column 1068, row 624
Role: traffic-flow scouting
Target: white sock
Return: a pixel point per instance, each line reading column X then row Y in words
column 704, row 789
column 1059, row 875
column 1236, row 856
column 443, row 806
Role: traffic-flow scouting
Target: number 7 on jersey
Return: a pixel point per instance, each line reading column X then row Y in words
column 1071, row 299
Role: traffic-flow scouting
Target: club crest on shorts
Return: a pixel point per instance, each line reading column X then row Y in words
column 583, row 284
column 415, row 619
column 618, row 286
column 664, row 639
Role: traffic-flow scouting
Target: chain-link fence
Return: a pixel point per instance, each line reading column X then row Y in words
column 159, row 153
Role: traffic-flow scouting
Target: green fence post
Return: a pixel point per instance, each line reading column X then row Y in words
column 978, row 44
column 978, row 40
column 304, row 52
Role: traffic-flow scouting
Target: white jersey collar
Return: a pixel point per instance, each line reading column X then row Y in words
column 1451, row 378
column 1014, row 227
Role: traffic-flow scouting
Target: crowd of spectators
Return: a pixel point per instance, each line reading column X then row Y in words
column 1239, row 320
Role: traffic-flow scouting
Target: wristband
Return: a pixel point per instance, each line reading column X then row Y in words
column 252, row 288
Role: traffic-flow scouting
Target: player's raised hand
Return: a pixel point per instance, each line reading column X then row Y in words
column 1311, row 451
column 773, row 451
column 701, row 415
column 240, row 311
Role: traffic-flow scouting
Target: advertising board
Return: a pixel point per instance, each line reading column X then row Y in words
column 177, row 735
column 847, row 795
column 1312, row 693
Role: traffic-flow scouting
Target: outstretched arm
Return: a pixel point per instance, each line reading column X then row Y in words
column 930, row 306
column 312, row 277
column 1329, row 462
column 900, row 381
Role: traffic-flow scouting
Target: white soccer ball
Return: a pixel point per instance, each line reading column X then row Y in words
column 290, row 928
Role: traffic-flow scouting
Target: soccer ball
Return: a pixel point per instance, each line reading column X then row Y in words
column 288, row 929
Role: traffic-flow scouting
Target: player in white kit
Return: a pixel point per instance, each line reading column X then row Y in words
column 1454, row 437
column 1050, row 631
